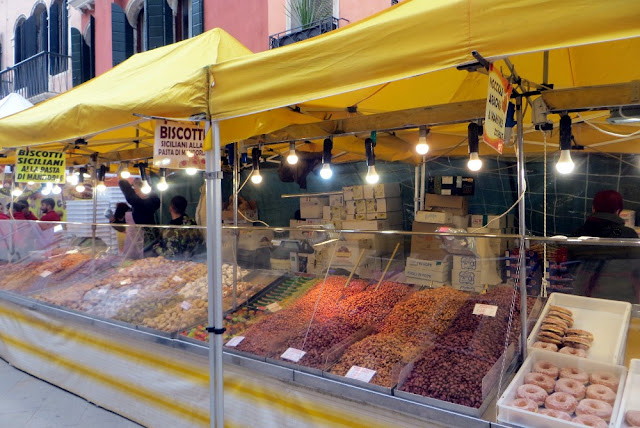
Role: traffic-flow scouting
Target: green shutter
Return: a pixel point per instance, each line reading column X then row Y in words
column 55, row 65
column 92, row 49
column 44, row 41
column 76, row 56
column 121, row 35
column 158, row 23
column 197, row 17
column 29, row 35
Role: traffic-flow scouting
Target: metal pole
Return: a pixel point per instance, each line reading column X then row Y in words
column 416, row 191
column 214, row 276
column 94, row 219
column 236, row 171
column 522, row 229
column 423, row 179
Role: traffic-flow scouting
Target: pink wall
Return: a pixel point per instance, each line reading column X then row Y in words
column 355, row 10
column 102, row 44
column 246, row 20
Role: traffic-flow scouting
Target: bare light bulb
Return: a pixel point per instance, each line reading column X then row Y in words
column 101, row 187
column 292, row 157
column 422, row 148
column 80, row 188
column 46, row 191
column 475, row 163
column 326, row 171
column 256, row 178
column 56, row 190
column 31, row 183
column 125, row 172
column 16, row 192
column 565, row 165
column 73, row 179
column 372, row 176
column 191, row 171
column 146, row 189
column 162, row 184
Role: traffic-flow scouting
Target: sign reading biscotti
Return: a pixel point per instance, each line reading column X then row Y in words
column 39, row 166
column 178, row 145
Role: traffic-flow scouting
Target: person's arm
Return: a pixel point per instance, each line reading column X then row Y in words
column 129, row 193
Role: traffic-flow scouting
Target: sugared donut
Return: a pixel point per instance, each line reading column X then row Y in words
column 590, row 421
column 525, row 404
column 561, row 401
column 602, row 393
column 546, row 367
column 574, row 351
column 546, row 346
column 597, row 408
column 575, row 374
column 633, row 417
column 606, row 379
column 555, row 414
column 571, row 386
column 532, row 392
column 542, row 380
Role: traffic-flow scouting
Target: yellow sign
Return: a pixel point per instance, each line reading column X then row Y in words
column 495, row 117
column 39, row 166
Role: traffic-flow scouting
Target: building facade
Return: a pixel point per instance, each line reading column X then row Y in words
column 49, row 46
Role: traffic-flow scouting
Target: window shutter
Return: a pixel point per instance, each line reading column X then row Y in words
column 55, row 65
column 92, row 49
column 44, row 42
column 17, row 47
column 158, row 23
column 197, row 17
column 29, row 35
column 121, row 35
column 76, row 56
column 64, row 49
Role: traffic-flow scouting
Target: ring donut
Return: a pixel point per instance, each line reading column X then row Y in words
column 575, row 373
column 542, row 380
column 597, row 408
column 602, row 393
column 606, row 379
column 590, row 421
column 571, row 386
column 555, row 414
column 546, row 346
column 525, row 404
column 633, row 417
column 561, row 401
column 547, row 368
column 574, row 351
column 532, row 392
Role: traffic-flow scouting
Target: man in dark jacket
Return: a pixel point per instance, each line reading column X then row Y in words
column 144, row 207
column 608, row 272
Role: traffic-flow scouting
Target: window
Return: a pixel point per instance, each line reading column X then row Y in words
column 18, row 43
column 58, row 31
column 42, row 28
column 183, row 22
column 141, row 34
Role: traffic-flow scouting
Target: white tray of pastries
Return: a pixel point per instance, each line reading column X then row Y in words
column 629, row 415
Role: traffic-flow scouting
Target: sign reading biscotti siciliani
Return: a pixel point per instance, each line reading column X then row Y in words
column 178, row 145
column 39, row 166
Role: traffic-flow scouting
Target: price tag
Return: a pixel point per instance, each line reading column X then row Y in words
column 178, row 279
column 273, row 307
column 486, row 310
column 185, row 305
column 45, row 274
column 72, row 252
column 102, row 291
column 125, row 282
column 293, row 354
column 360, row 373
column 235, row 341
column 132, row 292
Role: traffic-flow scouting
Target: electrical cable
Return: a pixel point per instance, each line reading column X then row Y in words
column 613, row 134
column 251, row 220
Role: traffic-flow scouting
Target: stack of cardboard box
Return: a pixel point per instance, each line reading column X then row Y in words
column 431, row 273
column 473, row 273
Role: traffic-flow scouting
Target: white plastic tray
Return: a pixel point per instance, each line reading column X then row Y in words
column 518, row 417
column 608, row 320
column 631, row 396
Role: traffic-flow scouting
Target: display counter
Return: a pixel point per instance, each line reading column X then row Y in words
column 363, row 317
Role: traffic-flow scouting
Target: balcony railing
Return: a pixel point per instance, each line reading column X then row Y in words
column 37, row 78
column 304, row 32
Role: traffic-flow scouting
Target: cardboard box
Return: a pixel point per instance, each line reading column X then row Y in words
column 426, row 275
column 351, row 193
column 467, row 263
column 332, row 213
column 429, row 265
column 381, row 190
column 383, row 205
column 350, row 207
column 481, row 220
column 310, row 223
column 361, row 206
column 467, row 288
column 251, row 240
column 629, row 217
column 424, row 282
column 336, row 200
column 470, row 278
column 355, row 217
column 311, row 207
column 363, row 225
column 451, row 185
column 378, row 244
column 394, row 217
column 426, row 247
column 456, row 205
column 434, row 217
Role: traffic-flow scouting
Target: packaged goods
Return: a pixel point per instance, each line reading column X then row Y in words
column 455, row 205
column 353, row 192
column 381, row 190
column 451, row 185
column 383, row 205
column 489, row 221
column 311, row 207
column 336, row 200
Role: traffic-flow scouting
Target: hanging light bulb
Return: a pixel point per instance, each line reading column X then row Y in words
column 422, row 148
column 46, row 190
column 191, row 171
column 80, row 187
column 73, row 179
column 473, row 135
column 124, row 170
column 17, row 191
column 372, row 176
column 256, row 178
column 146, row 189
column 326, row 172
column 565, row 164
column 162, row 184
column 30, row 183
column 102, row 172
column 56, row 190
column 101, row 187
column 292, row 157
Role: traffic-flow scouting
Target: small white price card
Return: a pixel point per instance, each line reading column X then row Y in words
column 293, row 354
column 178, row 279
column 274, row 307
column 45, row 274
column 360, row 373
column 125, row 282
column 132, row 292
column 102, row 291
column 235, row 341
column 72, row 252
column 486, row 310
column 185, row 305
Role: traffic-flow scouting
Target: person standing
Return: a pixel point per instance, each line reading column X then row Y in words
column 48, row 209
column 179, row 243
column 143, row 209
column 28, row 215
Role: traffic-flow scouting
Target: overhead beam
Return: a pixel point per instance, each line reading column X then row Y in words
column 592, row 97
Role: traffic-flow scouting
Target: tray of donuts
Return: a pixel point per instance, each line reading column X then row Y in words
column 595, row 329
column 558, row 390
column 629, row 415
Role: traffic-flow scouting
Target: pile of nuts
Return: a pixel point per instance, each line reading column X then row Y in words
column 178, row 316
column 146, row 308
column 370, row 307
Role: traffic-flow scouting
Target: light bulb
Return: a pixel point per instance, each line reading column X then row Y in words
column 326, row 171
column 422, row 148
column 166, row 161
column 146, row 189
column 16, row 192
column 46, row 191
column 56, row 190
column 162, row 184
column 292, row 157
column 565, row 165
column 101, row 187
column 80, row 188
column 372, row 175
column 475, row 163
column 31, row 183
column 125, row 173
column 73, row 179
column 191, row 171
column 256, row 178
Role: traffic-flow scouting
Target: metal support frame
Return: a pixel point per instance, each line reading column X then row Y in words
column 214, row 276
column 522, row 229
column 416, row 190
column 423, row 179
column 236, row 185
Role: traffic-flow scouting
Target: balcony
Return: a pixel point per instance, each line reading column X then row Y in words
column 304, row 32
column 38, row 78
